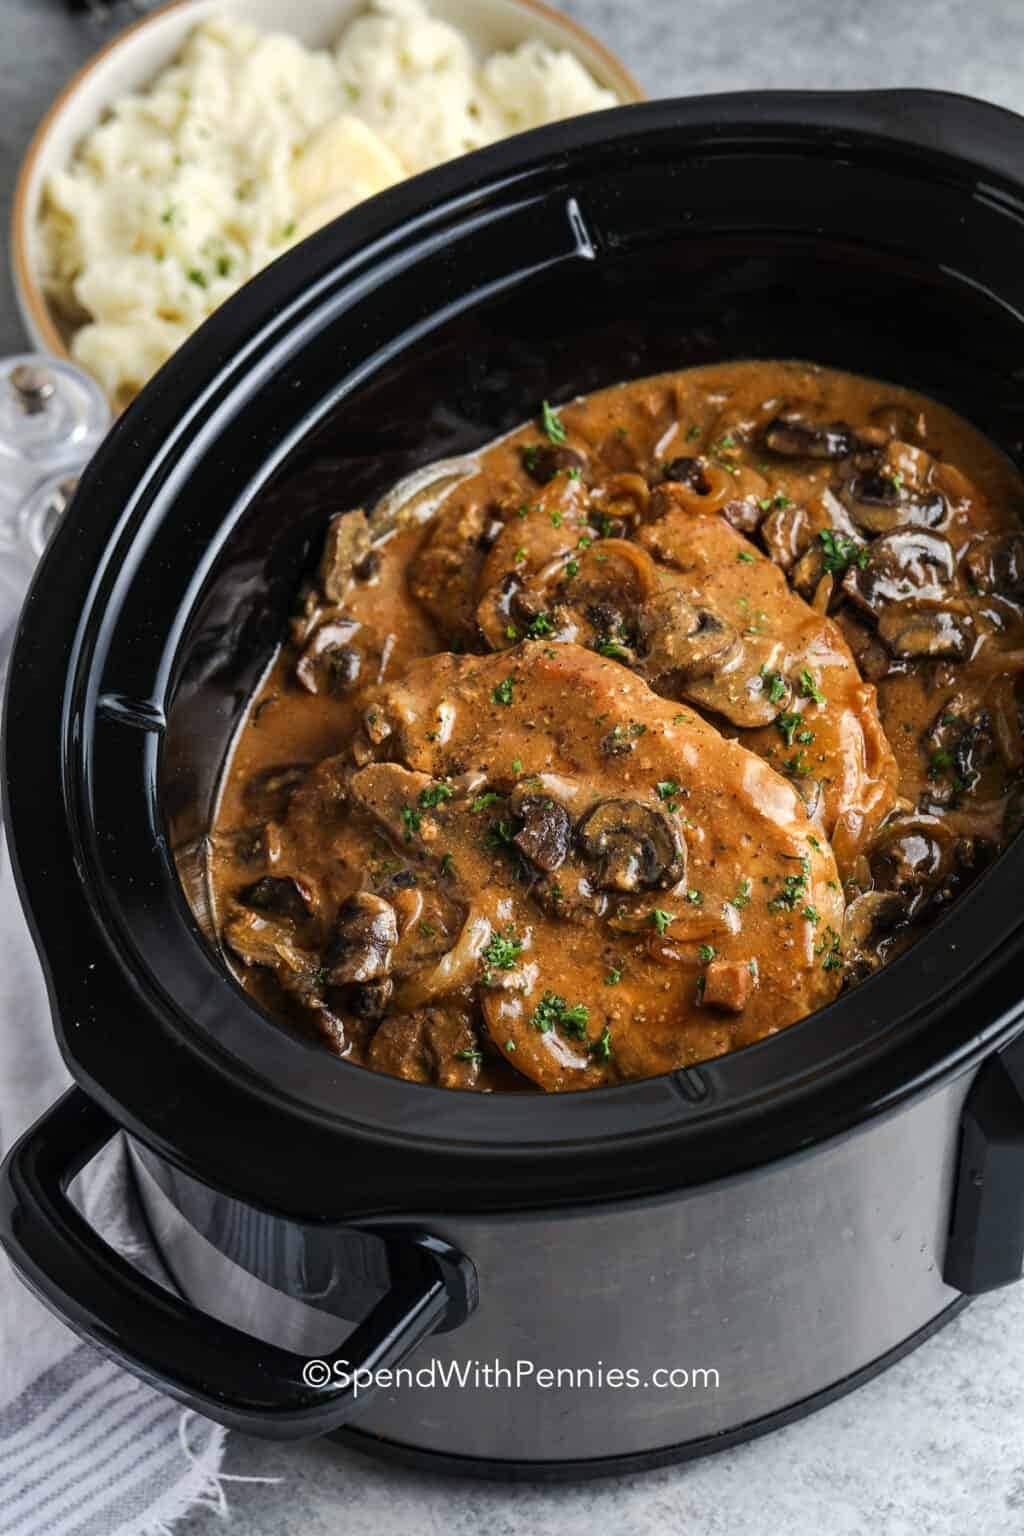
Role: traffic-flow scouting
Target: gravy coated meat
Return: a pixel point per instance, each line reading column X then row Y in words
column 675, row 711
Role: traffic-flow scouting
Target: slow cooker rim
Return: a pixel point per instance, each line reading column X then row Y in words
column 466, row 182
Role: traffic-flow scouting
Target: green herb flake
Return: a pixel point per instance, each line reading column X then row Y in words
column 613, row 649
column 746, row 557
column 666, row 788
column 411, row 821
column 661, row 919
column 434, row 794
column 706, row 953
column 554, row 1012
column 510, row 1045
column 539, row 626
column 503, row 950
column 742, row 896
column 787, row 726
column 840, row 552
column 197, row 277
column 774, row 685
column 601, row 1048
column 502, row 693
column 809, row 688
column 556, row 519
column 553, row 428
column 614, row 977
column 517, row 765
column 469, row 1055
column 695, row 898
column 794, row 889
column 693, row 433
column 447, row 864
column 489, row 797
column 572, row 568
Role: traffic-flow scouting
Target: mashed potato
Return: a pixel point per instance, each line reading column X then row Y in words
column 248, row 143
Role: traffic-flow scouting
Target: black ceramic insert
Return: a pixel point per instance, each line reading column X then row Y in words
column 870, row 232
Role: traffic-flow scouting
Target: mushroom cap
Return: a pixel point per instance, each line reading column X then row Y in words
column 632, row 845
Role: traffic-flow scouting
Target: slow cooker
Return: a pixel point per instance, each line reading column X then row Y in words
column 772, row 1226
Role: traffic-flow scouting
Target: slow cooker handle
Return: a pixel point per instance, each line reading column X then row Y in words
column 206, row 1364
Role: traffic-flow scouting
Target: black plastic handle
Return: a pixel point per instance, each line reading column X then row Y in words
column 204, row 1363
column 985, row 1248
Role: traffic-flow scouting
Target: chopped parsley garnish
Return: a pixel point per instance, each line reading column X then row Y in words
column 742, row 896
column 812, row 915
column 554, row 1012
column 707, row 953
column 502, row 694
column 613, row 649
column 814, row 842
column 197, row 277
column 601, row 1048
column 746, row 557
column 411, row 821
column 661, row 919
column 575, row 473
column 447, row 864
column 584, row 541
column 702, row 982
column 539, row 626
column 517, row 765
column 695, row 898
column 572, row 568
column 503, row 950
column 489, row 797
column 667, row 788
column 939, row 762
column 511, row 633
column 556, row 519
column 614, row 977
column 778, row 501
column 223, row 265
column 510, row 1045
column 830, row 948
column 809, row 688
column 434, row 794
column 693, row 433
column 553, row 429
column 519, row 555
column 522, row 511
column 787, row 726
column 427, row 929
column 794, row 889
column 680, row 719
column 798, row 765
column 774, row 685
column 725, row 443
column 840, row 552
column 469, row 1055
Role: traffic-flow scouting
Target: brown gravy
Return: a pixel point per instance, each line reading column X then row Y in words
column 688, row 704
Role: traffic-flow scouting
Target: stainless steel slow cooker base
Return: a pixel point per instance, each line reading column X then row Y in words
column 792, row 1282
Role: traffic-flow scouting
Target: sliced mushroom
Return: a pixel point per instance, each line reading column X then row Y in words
column 430, row 1045
column 631, row 846
column 281, row 894
column 995, row 563
column 543, row 461
column 268, row 942
column 367, row 1000
column 346, row 545
column 329, row 664
column 744, row 513
column 365, row 934
column 793, row 437
column 907, row 564
column 962, row 742
column 915, row 633
column 268, row 793
column 546, row 832
column 687, row 471
column 910, row 857
column 869, row 918
column 680, row 640
column 786, row 533
column 877, row 503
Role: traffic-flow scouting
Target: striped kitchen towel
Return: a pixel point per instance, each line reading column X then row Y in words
column 85, row 1449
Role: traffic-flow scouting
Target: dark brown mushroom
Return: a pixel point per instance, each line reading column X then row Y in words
column 744, row 513
column 688, row 471
column 907, row 564
column 543, row 461
column 430, row 1045
column 786, row 533
column 365, row 933
column 329, row 663
column 961, row 743
column 268, row 792
column 267, row 941
column 346, row 545
column 910, row 858
column 281, row 894
column 995, row 563
column 915, row 633
column 546, row 832
column 869, row 918
column 366, row 1000
column 793, row 437
column 631, row 846
column 680, row 640
column 879, row 503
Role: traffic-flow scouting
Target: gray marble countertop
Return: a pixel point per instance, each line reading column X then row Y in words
column 936, row 1445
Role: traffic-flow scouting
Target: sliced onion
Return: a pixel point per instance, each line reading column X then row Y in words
column 455, row 969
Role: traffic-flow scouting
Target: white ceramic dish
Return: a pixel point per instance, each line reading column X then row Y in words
column 138, row 54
